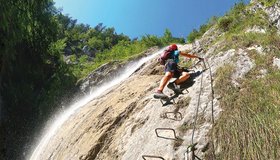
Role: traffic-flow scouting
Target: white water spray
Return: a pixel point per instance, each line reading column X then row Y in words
column 83, row 101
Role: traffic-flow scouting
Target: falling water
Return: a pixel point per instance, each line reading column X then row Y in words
column 129, row 69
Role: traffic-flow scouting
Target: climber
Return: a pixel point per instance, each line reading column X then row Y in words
column 171, row 70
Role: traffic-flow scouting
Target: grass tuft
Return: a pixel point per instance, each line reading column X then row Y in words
column 249, row 125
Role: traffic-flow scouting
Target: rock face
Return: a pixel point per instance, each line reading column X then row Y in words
column 274, row 14
column 276, row 62
column 122, row 123
column 128, row 123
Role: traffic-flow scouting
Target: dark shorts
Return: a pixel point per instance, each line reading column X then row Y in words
column 171, row 66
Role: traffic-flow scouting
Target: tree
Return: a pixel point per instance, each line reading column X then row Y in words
column 29, row 67
column 167, row 37
column 151, row 40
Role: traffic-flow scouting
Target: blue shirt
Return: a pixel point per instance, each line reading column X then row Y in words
column 175, row 55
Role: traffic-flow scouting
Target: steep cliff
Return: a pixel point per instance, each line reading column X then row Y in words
column 222, row 111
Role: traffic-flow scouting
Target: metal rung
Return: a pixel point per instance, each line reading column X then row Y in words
column 176, row 114
column 167, row 102
column 166, row 129
column 153, row 157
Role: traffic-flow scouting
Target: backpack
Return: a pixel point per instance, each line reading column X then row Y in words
column 166, row 54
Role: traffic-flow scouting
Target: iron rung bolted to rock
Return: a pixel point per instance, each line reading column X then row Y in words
column 176, row 114
column 166, row 129
column 151, row 156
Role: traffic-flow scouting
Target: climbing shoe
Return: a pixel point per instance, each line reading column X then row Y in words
column 159, row 95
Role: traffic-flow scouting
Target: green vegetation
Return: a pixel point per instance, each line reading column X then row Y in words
column 243, row 20
column 235, row 21
column 249, row 125
column 33, row 73
column 233, row 18
column 196, row 34
column 177, row 143
column 268, row 3
column 43, row 55
column 122, row 51
column 269, row 39
column 87, row 48
column 184, row 127
column 31, row 69
column 235, row 25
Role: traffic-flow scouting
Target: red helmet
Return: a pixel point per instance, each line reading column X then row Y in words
column 173, row 47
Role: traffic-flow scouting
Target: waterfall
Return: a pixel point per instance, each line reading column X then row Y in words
column 63, row 116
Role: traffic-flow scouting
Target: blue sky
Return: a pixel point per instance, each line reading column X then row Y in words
column 137, row 18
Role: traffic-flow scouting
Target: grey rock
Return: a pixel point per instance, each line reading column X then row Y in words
column 276, row 62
